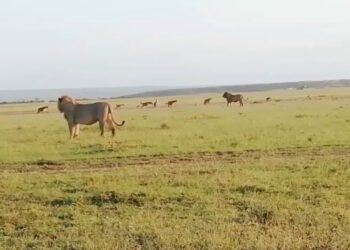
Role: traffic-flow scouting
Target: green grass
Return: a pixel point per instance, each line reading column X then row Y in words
column 185, row 128
column 302, row 203
column 282, row 184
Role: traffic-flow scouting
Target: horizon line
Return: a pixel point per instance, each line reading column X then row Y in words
column 173, row 85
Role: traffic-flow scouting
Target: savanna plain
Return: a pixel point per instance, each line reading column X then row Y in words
column 270, row 175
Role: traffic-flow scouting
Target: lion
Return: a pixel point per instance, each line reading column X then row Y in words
column 170, row 103
column 145, row 104
column 87, row 114
column 43, row 109
column 207, row 101
column 233, row 98
column 117, row 106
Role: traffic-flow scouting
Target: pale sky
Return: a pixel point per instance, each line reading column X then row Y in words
column 111, row 43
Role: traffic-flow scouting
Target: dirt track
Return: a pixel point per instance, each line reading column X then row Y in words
column 329, row 152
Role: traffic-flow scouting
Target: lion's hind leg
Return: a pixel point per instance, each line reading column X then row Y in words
column 102, row 127
column 111, row 124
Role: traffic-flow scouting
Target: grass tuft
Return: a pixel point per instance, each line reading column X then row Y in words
column 112, row 197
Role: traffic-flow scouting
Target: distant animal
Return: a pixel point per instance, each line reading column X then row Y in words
column 117, row 106
column 88, row 114
column 207, row 101
column 268, row 99
column 42, row 109
column 156, row 103
column 170, row 103
column 145, row 104
column 308, row 97
column 301, row 87
column 230, row 98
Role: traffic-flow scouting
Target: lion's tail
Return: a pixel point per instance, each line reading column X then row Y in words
column 123, row 122
column 110, row 112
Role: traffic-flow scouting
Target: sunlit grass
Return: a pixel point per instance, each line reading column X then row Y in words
column 266, row 203
column 292, row 192
column 184, row 128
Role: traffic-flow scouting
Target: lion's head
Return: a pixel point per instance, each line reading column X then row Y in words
column 64, row 100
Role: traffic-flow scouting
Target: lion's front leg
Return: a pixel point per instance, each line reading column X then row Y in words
column 76, row 130
column 71, row 127
column 73, row 130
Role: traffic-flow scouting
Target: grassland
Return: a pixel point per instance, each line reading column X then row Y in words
column 270, row 175
column 294, row 122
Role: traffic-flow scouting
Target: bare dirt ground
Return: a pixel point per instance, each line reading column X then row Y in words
column 339, row 152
